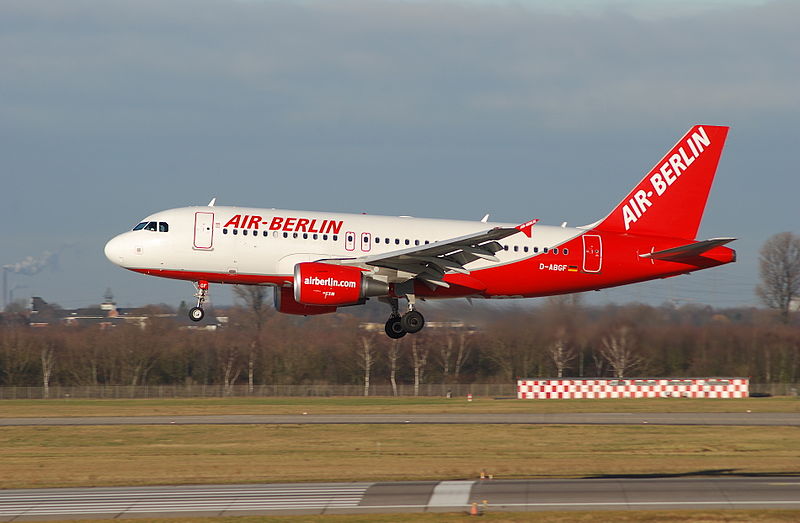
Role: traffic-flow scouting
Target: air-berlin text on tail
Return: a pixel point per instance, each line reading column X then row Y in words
column 665, row 175
column 290, row 224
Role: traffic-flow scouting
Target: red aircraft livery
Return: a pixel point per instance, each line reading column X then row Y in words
column 318, row 262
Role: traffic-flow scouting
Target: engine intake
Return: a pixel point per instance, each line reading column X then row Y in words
column 325, row 284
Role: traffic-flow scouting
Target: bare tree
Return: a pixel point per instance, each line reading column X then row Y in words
column 48, row 358
column 254, row 298
column 393, row 355
column 780, row 272
column 463, row 351
column 561, row 353
column 367, row 359
column 445, row 354
column 419, row 355
column 617, row 349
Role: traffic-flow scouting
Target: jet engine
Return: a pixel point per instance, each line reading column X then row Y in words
column 318, row 284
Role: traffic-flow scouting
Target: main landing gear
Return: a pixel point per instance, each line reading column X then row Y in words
column 398, row 326
column 197, row 313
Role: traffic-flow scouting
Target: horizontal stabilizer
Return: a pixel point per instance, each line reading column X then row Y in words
column 687, row 251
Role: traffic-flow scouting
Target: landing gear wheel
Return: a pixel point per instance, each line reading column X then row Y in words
column 196, row 314
column 412, row 322
column 394, row 328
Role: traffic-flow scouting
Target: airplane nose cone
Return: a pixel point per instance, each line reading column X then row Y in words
column 115, row 250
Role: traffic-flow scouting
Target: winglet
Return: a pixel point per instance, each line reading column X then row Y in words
column 526, row 227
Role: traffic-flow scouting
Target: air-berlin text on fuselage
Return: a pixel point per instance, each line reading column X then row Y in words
column 290, row 224
column 665, row 175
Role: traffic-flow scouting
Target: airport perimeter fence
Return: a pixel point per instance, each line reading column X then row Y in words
column 477, row 390
column 507, row 390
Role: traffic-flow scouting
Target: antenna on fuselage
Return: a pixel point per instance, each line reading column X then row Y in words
column 485, row 219
column 212, row 202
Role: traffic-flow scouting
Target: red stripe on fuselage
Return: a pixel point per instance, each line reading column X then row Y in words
column 539, row 275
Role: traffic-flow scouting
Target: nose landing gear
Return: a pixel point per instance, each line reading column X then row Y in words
column 197, row 313
column 398, row 326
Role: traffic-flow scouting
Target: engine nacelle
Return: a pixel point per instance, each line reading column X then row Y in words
column 325, row 284
column 285, row 303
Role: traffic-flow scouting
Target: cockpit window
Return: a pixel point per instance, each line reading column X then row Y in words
column 140, row 226
column 151, row 226
column 163, row 227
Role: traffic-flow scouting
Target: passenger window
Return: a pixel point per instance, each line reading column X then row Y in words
column 408, row 242
column 536, row 249
column 386, row 241
column 335, row 237
column 294, row 235
column 566, row 251
column 266, row 233
column 555, row 250
column 305, row 235
column 526, row 249
column 427, row 242
column 140, row 226
column 397, row 241
column 505, row 247
column 377, row 239
column 244, row 232
column 516, row 248
column 163, row 227
column 416, row 242
column 286, row 235
column 316, row 236
column 325, row 237
column 235, row 232
column 224, row 231
column 544, row 250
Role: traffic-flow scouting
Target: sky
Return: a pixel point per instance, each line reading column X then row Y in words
column 112, row 110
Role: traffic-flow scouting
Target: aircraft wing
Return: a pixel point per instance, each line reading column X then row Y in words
column 431, row 261
column 687, row 251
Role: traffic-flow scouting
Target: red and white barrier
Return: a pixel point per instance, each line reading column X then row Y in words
column 604, row 388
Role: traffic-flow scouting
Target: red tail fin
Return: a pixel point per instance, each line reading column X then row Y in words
column 671, row 198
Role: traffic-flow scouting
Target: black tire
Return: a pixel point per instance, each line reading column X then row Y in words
column 394, row 328
column 412, row 322
column 196, row 314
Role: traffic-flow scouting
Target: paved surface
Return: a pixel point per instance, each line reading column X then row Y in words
column 444, row 496
column 658, row 418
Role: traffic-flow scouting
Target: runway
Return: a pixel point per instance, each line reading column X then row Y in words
column 409, row 497
column 652, row 418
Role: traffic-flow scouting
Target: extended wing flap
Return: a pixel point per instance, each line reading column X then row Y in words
column 687, row 251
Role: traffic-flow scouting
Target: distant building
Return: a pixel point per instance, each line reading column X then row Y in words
column 106, row 315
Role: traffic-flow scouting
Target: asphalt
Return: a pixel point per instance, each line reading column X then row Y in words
column 657, row 418
column 713, row 493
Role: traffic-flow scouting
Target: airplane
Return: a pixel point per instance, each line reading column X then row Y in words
column 320, row 261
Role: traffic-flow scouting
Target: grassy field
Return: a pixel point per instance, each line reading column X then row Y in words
column 197, row 454
column 181, row 454
column 359, row 405
column 674, row 516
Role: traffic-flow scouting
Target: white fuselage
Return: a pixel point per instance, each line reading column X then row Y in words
column 241, row 247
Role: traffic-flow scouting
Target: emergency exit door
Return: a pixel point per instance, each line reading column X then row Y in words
column 592, row 253
column 203, row 230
